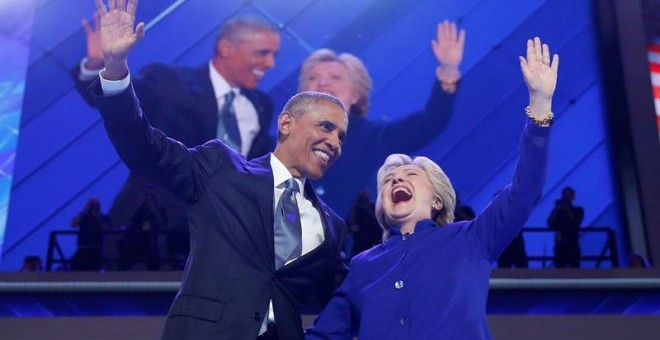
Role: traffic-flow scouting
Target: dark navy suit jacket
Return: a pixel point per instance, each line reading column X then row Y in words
column 230, row 275
column 180, row 102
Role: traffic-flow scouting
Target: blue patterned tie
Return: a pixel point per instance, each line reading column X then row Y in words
column 228, row 125
column 288, row 231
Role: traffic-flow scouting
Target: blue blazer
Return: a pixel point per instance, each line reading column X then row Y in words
column 230, row 275
column 433, row 284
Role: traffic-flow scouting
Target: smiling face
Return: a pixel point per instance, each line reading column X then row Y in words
column 244, row 60
column 310, row 140
column 406, row 195
column 331, row 77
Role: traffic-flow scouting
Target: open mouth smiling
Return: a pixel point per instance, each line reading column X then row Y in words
column 401, row 194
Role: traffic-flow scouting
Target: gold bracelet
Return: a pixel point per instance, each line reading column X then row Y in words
column 545, row 122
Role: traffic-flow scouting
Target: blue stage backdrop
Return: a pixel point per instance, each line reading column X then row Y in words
column 64, row 157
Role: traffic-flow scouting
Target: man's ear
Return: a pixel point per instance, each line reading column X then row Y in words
column 284, row 122
column 225, row 48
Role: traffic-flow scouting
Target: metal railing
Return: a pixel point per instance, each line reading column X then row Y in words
column 608, row 251
column 55, row 255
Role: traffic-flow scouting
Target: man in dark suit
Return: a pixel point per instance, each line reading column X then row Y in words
column 185, row 103
column 239, row 282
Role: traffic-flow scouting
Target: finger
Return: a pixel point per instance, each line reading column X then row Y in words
column 446, row 30
column 86, row 27
column 537, row 49
column 100, row 7
column 132, row 7
column 461, row 38
column 555, row 63
column 546, row 54
column 442, row 31
column 112, row 5
column 530, row 49
column 139, row 31
column 524, row 67
column 121, row 5
column 452, row 31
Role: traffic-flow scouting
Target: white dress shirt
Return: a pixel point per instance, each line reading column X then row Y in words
column 246, row 114
column 310, row 218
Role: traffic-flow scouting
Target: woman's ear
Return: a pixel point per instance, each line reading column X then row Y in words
column 437, row 205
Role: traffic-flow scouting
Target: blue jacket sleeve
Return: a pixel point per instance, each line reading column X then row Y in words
column 424, row 125
column 337, row 320
column 505, row 215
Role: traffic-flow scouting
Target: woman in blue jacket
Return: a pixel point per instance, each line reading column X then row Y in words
column 429, row 279
column 370, row 141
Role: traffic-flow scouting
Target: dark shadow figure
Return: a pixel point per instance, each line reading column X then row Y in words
column 565, row 219
column 91, row 224
column 362, row 224
column 140, row 241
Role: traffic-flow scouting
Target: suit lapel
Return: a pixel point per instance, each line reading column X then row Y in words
column 263, row 189
column 264, row 119
column 202, row 91
column 329, row 233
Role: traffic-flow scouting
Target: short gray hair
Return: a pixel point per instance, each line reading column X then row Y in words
column 442, row 188
column 307, row 101
column 235, row 28
column 356, row 69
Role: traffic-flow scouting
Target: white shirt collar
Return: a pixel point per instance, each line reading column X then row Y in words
column 281, row 173
column 220, row 86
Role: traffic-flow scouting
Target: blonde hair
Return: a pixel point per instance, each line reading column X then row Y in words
column 442, row 188
column 358, row 72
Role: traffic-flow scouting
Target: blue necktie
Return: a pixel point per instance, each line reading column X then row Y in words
column 288, row 231
column 228, row 125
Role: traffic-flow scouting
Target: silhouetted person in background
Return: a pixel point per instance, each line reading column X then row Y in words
column 637, row 261
column 140, row 242
column 363, row 225
column 565, row 219
column 91, row 224
column 514, row 255
column 463, row 212
column 32, row 263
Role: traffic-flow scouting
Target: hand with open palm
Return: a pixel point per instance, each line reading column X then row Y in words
column 448, row 50
column 540, row 76
column 118, row 37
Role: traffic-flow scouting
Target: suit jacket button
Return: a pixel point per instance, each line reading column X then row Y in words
column 256, row 316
